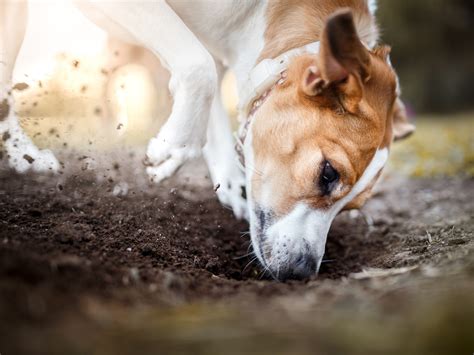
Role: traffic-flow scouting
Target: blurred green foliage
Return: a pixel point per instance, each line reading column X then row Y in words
column 432, row 50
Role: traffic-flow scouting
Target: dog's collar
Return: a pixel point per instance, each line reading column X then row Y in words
column 260, row 82
column 266, row 73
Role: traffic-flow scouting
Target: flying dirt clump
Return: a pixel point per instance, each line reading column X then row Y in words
column 20, row 86
column 4, row 109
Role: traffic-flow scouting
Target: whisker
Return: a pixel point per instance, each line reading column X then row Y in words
column 248, row 249
column 227, row 207
column 248, row 264
column 243, row 234
column 273, row 275
column 243, row 256
column 328, row 261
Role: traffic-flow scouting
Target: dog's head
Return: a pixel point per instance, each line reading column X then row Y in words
column 317, row 146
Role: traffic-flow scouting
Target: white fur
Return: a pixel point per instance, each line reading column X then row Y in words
column 249, row 172
column 221, row 159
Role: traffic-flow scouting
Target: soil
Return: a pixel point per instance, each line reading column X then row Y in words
column 82, row 269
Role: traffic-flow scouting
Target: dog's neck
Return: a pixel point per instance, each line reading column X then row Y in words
column 274, row 28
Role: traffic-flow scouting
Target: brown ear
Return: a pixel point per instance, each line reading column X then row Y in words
column 343, row 61
column 342, row 53
column 402, row 128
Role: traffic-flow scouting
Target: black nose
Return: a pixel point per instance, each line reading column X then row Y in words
column 302, row 267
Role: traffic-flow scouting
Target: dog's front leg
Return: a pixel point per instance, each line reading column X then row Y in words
column 22, row 154
column 154, row 25
column 193, row 85
column 221, row 158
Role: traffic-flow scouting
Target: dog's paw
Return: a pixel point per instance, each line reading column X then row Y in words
column 45, row 161
column 231, row 195
column 165, row 158
column 38, row 161
column 229, row 188
column 23, row 155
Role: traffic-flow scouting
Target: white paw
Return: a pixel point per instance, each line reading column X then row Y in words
column 45, row 161
column 23, row 155
column 39, row 161
column 229, row 190
column 165, row 158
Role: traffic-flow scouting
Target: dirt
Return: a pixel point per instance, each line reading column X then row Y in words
column 4, row 109
column 83, row 268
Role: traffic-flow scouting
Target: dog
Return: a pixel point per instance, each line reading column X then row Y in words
column 319, row 108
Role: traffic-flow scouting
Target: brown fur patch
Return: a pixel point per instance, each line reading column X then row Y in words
column 292, row 24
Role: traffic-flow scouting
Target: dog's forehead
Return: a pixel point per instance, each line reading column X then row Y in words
column 293, row 130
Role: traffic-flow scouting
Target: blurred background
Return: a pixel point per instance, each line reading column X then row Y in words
column 433, row 52
column 87, row 93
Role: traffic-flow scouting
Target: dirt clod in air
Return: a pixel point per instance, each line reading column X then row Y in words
column 20, row 86
column 28, row 158
column 6, row 136
column 4, row 109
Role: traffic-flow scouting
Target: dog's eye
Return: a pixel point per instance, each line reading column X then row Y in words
column 328, row 178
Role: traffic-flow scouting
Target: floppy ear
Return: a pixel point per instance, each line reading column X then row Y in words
column 342, row 59
column 402, row 128
column 342, row 53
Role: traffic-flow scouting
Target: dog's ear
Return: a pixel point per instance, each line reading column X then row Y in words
column 342, row 53
column 343, row 60
column 401, row 126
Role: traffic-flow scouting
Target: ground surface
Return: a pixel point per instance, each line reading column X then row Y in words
column 97, row 261
column 81, row 269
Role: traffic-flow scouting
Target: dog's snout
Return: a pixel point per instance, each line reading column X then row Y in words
column 302, row 267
